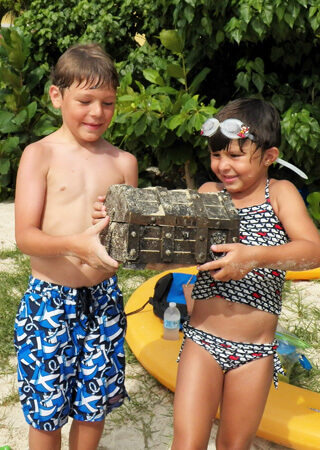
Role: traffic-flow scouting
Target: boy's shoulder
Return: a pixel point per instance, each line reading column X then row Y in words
column 38, row 155
column 121, row 163
column 123, row 156
column 38, row 149
column 112, row 149
column 44, row 142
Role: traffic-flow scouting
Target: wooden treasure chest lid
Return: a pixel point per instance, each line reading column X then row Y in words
column 166, row 226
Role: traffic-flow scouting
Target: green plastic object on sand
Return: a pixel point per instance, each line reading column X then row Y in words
column 6, row 447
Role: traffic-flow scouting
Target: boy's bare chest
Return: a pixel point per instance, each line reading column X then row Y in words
column 76, row 177
column 72, row 188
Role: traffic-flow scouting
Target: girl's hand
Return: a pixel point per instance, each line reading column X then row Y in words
column 99, row 210
column 239, row 260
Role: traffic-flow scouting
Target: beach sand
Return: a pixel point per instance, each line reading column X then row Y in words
column 143, row 423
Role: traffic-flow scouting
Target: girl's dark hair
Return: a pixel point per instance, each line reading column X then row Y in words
column 87, row 63
column 261, row 117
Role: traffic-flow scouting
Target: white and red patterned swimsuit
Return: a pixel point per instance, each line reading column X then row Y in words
column 260, row 288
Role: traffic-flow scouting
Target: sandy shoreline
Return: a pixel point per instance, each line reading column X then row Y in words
column 142, row 424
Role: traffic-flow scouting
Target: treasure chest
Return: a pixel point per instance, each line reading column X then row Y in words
column 156, row 226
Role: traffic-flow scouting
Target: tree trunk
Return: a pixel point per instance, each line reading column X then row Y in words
column 189, row 177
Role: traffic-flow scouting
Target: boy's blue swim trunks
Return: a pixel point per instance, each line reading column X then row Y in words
column 69, row 345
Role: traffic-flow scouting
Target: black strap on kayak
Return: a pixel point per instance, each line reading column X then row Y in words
column 138, row 310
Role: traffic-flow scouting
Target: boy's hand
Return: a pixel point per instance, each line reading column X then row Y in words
column 238, row 261
column 99, row 210
column 92, row 252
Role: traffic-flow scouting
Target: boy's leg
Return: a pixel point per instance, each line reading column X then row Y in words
column 101, row 374
column 40, row 440
column 47, row 359
column 197, row 396
column 245, row 393
column 85, row 435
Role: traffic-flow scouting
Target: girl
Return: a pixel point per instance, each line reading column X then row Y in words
column 229, row 352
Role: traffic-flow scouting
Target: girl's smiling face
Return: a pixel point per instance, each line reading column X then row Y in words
column 240, row 169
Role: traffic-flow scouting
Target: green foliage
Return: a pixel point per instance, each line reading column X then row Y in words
column 314, row 206
column 160, row 120
column 198, row 54
column 302, row 132
column 57, row 25
column 22, row 116
column 14, row 7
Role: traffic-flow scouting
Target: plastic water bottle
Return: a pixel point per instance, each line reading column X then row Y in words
column 171, row 322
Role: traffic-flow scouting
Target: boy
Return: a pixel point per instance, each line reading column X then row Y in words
column 70, row 325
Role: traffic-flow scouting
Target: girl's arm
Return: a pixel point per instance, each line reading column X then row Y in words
column 301, row 253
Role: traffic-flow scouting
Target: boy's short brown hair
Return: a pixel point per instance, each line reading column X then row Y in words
column 87, row 63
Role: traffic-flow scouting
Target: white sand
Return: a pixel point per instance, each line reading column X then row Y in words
column 7, row 225
column 142, row 424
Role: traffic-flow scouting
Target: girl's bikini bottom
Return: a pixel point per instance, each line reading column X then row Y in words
column 229, row 354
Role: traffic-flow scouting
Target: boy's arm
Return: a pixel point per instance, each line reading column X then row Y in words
column 29, row 206
column 129, row 165
column 301, row 253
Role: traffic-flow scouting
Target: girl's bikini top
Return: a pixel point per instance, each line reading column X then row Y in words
column 260, row 288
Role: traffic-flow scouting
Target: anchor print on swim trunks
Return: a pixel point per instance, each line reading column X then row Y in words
column 70, row 362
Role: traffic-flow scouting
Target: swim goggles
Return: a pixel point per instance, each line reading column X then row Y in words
column 235, row 129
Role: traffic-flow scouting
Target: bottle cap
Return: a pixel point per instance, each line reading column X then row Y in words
column 172, row 304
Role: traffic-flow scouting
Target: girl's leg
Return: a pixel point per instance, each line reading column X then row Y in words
column 85, row 435
column 197, row 396
column 243, row 401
